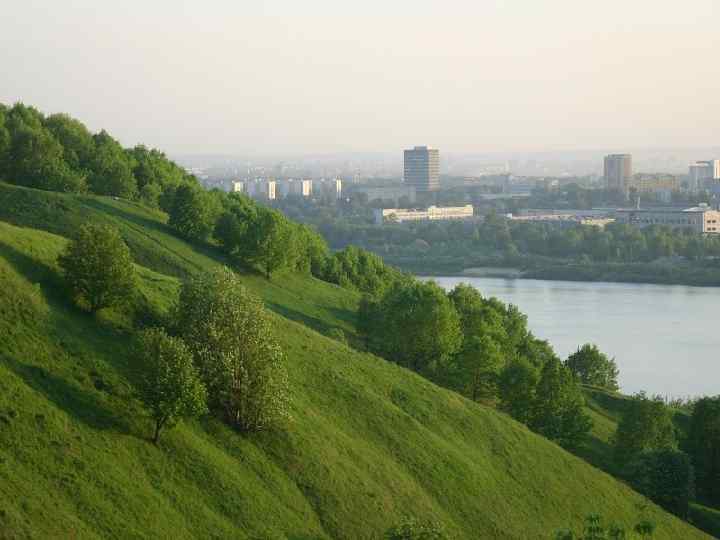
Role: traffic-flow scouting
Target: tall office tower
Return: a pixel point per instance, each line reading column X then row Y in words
column 422, row 168
column 618, row 171
column 704, row 172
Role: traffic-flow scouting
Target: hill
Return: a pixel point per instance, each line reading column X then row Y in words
column 368, row 444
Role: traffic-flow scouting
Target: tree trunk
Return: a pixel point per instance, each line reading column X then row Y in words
column 158, row 427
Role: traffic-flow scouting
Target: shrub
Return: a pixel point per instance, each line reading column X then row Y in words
column 230, row 335
column 170, row 387
column 98, row 267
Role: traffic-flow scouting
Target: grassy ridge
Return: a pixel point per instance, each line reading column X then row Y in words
column 368, row 444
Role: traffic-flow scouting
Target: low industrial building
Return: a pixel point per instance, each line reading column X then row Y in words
column 432, row 213
column 700, row 219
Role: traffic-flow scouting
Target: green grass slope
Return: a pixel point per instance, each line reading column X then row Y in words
column 368, row 443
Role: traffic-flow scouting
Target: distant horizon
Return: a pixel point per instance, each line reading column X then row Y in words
column 511, row 76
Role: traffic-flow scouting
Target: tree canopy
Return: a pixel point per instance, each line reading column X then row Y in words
column 98, row 267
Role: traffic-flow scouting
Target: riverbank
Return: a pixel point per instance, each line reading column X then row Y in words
column 696, row 274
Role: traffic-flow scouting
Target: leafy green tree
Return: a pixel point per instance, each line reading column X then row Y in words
column 35, row 157
column 517, row 386
column 98, row 267
column 419, row 328
column 231, row 337
column 233, row 226
column 478, row 365
column 593, row 367
column 77, row 142
column 557, row 412
column 646, row 424
column 703, row 446
column 271, row 244
column 169, row 386
column 413, row 529
column 193, row 212
column 111, row 169
column 666, row 477
column 4, row 141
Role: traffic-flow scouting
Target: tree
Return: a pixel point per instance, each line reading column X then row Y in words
column 111, row 169
column 98, row 267
column 77, row 142
column 557, row 412
column 478, row 367
column 193, row 212
column 169, row 387
column 232, row 228
column 270, row 241
column 419, row 328
column 666, row 477
column 593, row 367
column 230, row 335
column 646, row 424
column 34, row 157
column 703, row 446
column 517, row 386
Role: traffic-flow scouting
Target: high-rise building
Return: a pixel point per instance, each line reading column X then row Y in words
column 422, row 168
column 704, row 172
column 618, row 172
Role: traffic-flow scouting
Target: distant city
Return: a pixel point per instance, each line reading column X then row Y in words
column 412, row 192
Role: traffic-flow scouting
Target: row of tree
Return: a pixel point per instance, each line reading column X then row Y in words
column 59, row 153
column 658, row 461
column 483, row 349
column 216, row 351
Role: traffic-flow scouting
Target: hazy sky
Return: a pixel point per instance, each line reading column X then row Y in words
column 321, row 76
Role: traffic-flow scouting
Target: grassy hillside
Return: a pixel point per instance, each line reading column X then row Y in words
column 368, row 443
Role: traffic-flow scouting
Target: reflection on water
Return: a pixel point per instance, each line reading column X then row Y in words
column 665, row 338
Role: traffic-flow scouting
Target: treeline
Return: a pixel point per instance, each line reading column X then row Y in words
column 671, row 467
column 59, row 153
column 481, row 348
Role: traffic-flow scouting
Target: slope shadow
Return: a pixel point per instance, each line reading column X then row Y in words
column 82, row 405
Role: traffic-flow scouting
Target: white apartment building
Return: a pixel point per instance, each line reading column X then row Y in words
column 432, row 213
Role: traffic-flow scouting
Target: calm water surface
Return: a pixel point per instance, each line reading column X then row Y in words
column 665, row 338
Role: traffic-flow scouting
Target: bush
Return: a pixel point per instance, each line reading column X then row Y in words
column 230, row 335
column 412, row 529
column 169, row 387
column 593, row 367
column 666, row 477
column 98, row 268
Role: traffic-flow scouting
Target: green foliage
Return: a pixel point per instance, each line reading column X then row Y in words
column 58, row 153
column 416, row 326
column 517, row 386
column 412, row 529
column 193, row 212
column 98, row 267
column 169, row 386
column 111, row 169
column 666, row 477
column 232, row 340
column 557, row 411
column 358, row 269
column 646, row 424
column 593, row 367
column 703, row 446
column 34, row 157
column 594, row 529
column 271, row 242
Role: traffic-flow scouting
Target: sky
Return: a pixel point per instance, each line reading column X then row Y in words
column 243, row 77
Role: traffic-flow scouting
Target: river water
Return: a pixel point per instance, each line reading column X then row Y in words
column 665, row 338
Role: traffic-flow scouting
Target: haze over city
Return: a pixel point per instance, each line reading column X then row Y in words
column 247, row 78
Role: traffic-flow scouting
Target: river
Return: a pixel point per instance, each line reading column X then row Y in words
column 665, row 338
